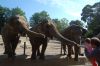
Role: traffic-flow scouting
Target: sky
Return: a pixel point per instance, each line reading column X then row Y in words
column 70, row 9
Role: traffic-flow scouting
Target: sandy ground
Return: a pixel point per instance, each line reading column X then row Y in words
column 52, row 54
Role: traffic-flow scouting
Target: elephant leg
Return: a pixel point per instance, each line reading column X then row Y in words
column 33, row 56
column 69, row 51
column 64, row 48
column 5, row 51
column 9, row 50
column 76, row 48
column 14, row 45
column 35, row 47
column 38, row 52
column 44, row 46
column 5, row 46
column 76, row 53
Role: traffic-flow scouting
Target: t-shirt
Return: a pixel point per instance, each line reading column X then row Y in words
column 96, row 54
column 88, row 48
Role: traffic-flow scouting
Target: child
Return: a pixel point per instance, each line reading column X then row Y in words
column 95, row 42
column 88, row 51
column 88, row 47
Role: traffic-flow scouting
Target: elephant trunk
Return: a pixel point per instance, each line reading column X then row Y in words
column 56, row 34
column 33, row 34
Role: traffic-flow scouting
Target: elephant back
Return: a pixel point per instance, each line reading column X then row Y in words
column 72, row 30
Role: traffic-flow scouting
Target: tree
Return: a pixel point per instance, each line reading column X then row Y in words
column 91, row 15
column 4, row 14
column 17, row 10
column 37, row 17
column 61, row 24
column 76, row 22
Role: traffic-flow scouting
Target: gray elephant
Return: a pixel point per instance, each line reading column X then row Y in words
column 47, row 28
column 73, row 33
column 11, row 33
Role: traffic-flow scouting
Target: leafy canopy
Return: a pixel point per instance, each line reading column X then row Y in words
column 37, row 17
column 91, row 15
column 61, row 24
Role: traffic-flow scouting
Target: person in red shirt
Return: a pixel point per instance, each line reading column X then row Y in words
column 88, row 51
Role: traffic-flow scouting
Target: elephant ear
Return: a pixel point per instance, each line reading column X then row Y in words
column 50, row 23
column 13, row 20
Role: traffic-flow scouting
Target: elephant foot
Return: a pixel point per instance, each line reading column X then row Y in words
column 33, row 58
column 14, row 53
column 12, row 57
column 42, row 58
column 65, row 53
column 75, row 59
column 5, row 53
column 38, row 54
column 69, row 56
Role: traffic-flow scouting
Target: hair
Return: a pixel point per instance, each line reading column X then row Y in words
column 88, row 40
column 95, row 41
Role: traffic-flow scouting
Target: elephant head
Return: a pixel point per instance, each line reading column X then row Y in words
column 48, row 28
column 75, row 30
column 20, row 24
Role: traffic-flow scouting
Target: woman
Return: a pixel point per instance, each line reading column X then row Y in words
column 88, row 51
column 95, row 42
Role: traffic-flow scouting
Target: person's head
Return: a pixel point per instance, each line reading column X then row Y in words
column 87, row 40
column 95, row 42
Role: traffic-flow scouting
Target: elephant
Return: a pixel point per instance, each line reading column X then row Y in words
column 74, row 33
column 48, row 28
column 11, row 33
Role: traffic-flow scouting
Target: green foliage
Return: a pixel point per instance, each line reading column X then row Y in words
column 19, row 11
column 37, row 17
column 5, row 13
column 91, row 15
column 16, row 11
column 61, row 24
column 89, row 33
column 76, row 22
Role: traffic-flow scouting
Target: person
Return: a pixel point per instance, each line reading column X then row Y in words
column 88, row 51
column 95, row 54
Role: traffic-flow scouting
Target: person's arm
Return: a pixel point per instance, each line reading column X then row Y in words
column 93, row 54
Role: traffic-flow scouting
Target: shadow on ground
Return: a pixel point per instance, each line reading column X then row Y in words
column 51, row 60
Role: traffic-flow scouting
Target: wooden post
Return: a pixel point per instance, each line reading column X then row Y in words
column 24, row 47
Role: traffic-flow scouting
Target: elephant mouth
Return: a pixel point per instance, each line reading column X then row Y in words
column 21, row 31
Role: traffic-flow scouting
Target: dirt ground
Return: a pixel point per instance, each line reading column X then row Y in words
column 52, row 54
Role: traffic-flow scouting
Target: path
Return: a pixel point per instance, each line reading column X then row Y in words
column 53, row 57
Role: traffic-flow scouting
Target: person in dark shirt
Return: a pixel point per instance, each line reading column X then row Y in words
column 88, row 51
column 95, row 42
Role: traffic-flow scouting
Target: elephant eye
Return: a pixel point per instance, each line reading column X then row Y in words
column 17, row 22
